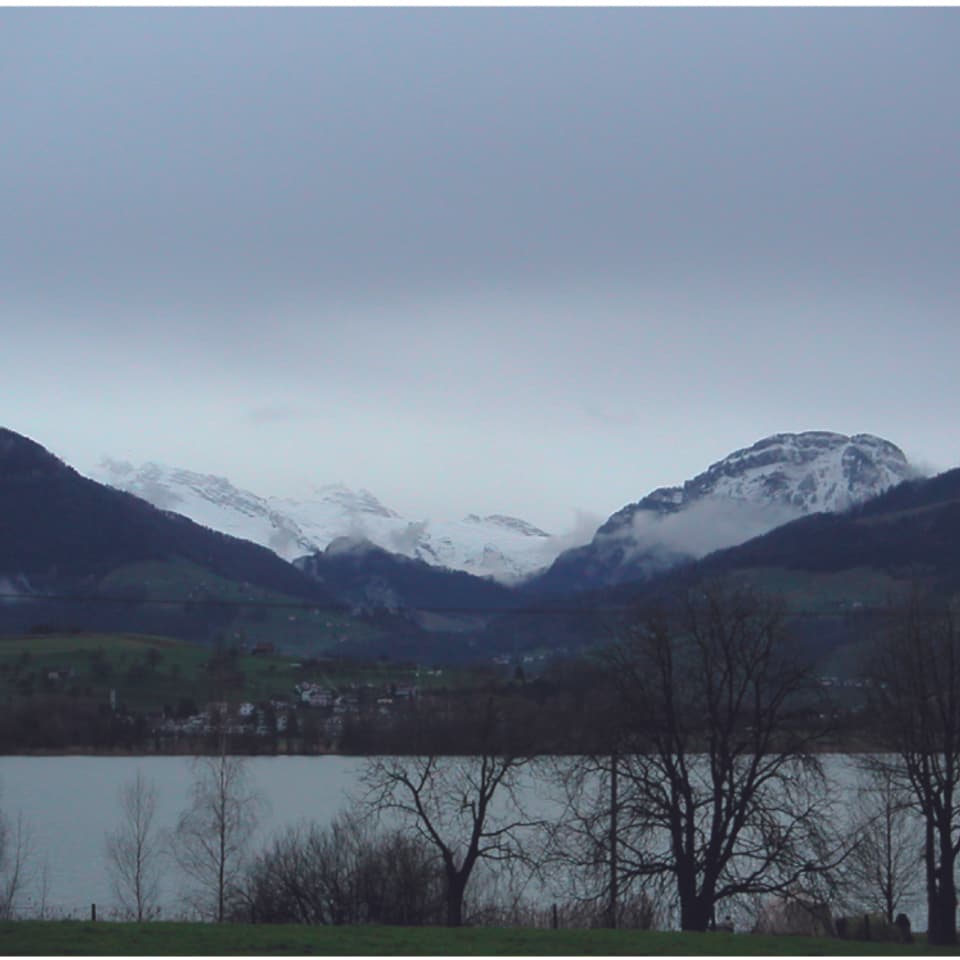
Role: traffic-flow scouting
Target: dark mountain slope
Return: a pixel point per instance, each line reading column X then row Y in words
column 77, row 555
column 836, row 572
column 369, row 577
column 914, row 527
column 57, row 526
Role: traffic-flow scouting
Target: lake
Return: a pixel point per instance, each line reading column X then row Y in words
column 69, row 803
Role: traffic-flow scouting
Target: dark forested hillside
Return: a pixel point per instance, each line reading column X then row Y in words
column 78, row 555
column 56, row 525
column 370, row 577
column 912, row 530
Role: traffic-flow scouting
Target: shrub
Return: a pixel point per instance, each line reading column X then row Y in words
column 343, row 874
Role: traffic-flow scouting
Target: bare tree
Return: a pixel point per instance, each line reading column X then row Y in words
column 467, row 808
column 134, row 850
column 918, row 712
column 720, row 790
column 885, row 865
column 44, row 889
column 17, row 864
column 212, row 835
column 596, row 840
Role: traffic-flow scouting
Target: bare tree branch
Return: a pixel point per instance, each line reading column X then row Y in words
column 467, row 808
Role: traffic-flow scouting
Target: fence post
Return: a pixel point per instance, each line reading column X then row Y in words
column 554, row 918
column 93, row 913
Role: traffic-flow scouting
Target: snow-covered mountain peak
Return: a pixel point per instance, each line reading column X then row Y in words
column 208, row 499
column 796, row 473
column 512, row 524
column 345, row 498
column 498, row 546
column 745, row 494
column 814, row 472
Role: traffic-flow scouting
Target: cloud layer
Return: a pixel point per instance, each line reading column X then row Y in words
column 477, row 260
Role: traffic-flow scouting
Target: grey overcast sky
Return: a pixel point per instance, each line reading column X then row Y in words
column 527, row 261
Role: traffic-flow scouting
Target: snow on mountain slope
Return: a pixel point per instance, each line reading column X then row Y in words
column 503, row 547
column 745, row 494
column 760, row 487
column 812, row 472
column 210, row 500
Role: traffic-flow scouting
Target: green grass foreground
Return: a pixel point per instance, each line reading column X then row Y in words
column 68, row 937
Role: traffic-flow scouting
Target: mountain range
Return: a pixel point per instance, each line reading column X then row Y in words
column 498, row 546
column 833, row 523
column 745, row 494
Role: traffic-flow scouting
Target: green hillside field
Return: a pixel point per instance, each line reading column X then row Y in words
column 149, row 673
column 53, row 938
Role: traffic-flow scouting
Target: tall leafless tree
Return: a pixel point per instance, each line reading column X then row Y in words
column 885, row 866
column 593, row 834
column 918, row 712
column 213, row 833
column 134, row 850
column 17, row 863
column 720, row 788
column 467, row 808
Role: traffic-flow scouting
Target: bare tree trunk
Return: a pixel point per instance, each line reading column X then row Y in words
column 943, row 931
column 456, row 888
column 614, row 866
column 448, row 801
column 933, row 917
column 16, row 864
column 918, row 702
column 695, row 913
column 221, row 863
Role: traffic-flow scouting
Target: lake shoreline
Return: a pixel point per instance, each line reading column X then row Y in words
column 860, row 749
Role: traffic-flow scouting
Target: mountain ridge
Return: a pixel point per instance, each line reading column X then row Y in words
column 66, row 539
column 750, row 491
column 499, row 546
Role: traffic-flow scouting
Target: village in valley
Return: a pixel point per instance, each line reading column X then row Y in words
column 60, row 691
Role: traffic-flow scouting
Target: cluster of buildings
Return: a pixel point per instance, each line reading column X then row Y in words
column 323, row 707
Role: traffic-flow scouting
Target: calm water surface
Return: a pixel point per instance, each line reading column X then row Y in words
column 70, row 802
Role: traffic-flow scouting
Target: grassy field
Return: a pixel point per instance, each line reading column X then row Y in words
column 60, row 938
column 149, row 672
column 259, row 614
